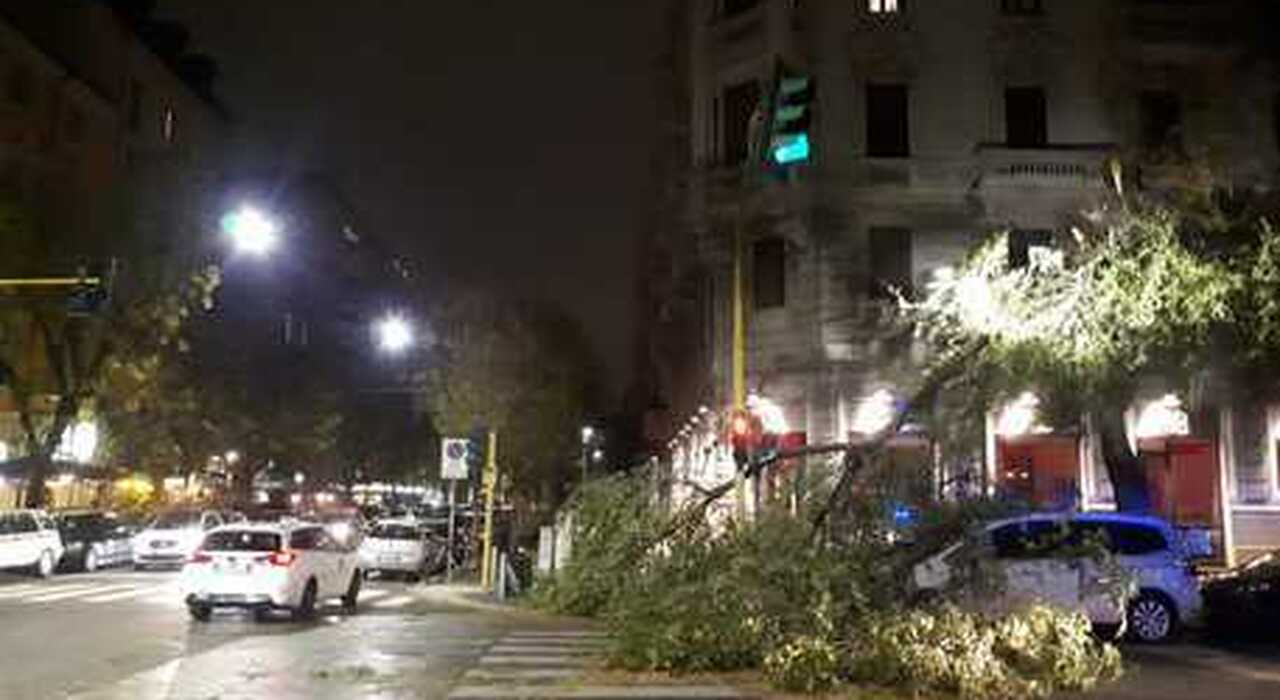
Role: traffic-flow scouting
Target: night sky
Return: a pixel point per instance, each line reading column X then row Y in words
column 499, row 143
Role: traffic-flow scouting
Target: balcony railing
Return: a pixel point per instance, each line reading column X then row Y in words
column 1052, row 166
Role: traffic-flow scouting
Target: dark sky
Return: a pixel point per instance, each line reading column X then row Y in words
column 504, row 142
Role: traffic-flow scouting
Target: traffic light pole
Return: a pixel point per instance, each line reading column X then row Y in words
column 490, row 485
column 750, row 177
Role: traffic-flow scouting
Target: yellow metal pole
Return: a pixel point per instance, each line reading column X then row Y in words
column 490, row 484
column 739, row 346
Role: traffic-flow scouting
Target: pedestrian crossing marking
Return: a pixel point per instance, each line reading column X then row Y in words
column 134, row 593
column 394, row 602
column 149, row 591
column 76, row 591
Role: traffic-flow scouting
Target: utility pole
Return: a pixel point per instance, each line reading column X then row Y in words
column 490, row 485
column 756, row 134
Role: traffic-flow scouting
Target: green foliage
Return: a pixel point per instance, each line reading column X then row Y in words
column 805, row 664
column 1025, row 654
column 521, row 369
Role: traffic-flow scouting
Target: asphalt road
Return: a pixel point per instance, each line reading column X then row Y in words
column 126, row 634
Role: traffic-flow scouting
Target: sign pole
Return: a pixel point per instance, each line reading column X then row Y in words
column 448, row 570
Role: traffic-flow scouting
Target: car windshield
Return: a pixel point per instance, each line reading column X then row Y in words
column 396, row 532
column 83, row 520
column 241, row 541
column 175, row 521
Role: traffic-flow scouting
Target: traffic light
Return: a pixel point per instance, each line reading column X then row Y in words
column 744, row 435
column 789, row 126
column 86, row 299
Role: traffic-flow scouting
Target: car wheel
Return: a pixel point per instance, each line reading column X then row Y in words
column 262, row 614
column 91, row 560
column 307, row 606
column 352, row 596
column 200, row 613
column 1152, row 618
column 45, row 564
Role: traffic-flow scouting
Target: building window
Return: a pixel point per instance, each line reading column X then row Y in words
column 135, row 106
column 75, row 125
column 19, row 86
column 882, row 7
column 1025, row 120
column 169, row 125
column 888, row 129
column 1161, row 115
column 740, row 102
column 890, row 262
column 1023, row 242
column 1022, row 7
column 731, row 8
column 769, row 273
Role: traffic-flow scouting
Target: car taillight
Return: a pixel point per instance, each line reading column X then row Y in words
column 282, row 558
column 199, row 557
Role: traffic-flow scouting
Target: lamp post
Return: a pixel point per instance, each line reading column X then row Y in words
column 587, row 433
column 394, row 333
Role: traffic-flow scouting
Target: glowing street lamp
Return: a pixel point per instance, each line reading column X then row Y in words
column 395, row 334
column 251, row 231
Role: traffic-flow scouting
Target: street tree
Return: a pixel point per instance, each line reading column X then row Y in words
column 58, row 359
column 1181, row 289
column 524, row 370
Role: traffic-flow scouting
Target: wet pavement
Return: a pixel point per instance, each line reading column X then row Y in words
column 127, row 635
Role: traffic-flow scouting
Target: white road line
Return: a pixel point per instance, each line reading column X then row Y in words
column 133, row 593
column 21, row 589
column 395, row 602
column 65, row 594
column 372, row 594
column 37, row 596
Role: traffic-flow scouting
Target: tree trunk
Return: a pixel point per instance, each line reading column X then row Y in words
column 38, row 475
column 1124, row 468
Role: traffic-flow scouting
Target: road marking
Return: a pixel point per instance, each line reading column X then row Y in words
column 396, row 602
column 133, row 593
column 20, row 589
column 556, row 660
column 372, row 594
column 56, row 591
column 505, row 649
column 575, row 634
column 63, row 595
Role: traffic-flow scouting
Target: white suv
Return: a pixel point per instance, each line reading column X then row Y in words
column 29, row 539
column 1168, row 593
column 263, row 567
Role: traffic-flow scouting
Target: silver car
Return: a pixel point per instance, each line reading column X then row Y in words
column 1167, row 591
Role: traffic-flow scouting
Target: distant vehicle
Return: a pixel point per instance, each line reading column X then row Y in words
column 1168, row 594
column 264, row 567
column 395, row 546
column 29, row 540
column 94, row 540
column 345, row 525
column 1245, row 602
column 171, row 537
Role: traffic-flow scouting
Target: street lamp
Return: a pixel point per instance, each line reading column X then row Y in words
column 395, row 334
column 251, row 231
column 587, row 433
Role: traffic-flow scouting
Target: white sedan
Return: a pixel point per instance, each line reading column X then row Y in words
column 269, row 567
column 395, row 546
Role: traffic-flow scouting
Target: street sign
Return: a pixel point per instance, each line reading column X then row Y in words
column 453, row 459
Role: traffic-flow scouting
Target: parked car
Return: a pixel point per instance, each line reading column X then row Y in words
column 1244, row 604
column 29, row 540
column 1032, row 553
column 94, row 539
column 171, row 537
column 395, row 546
column 264, row 567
